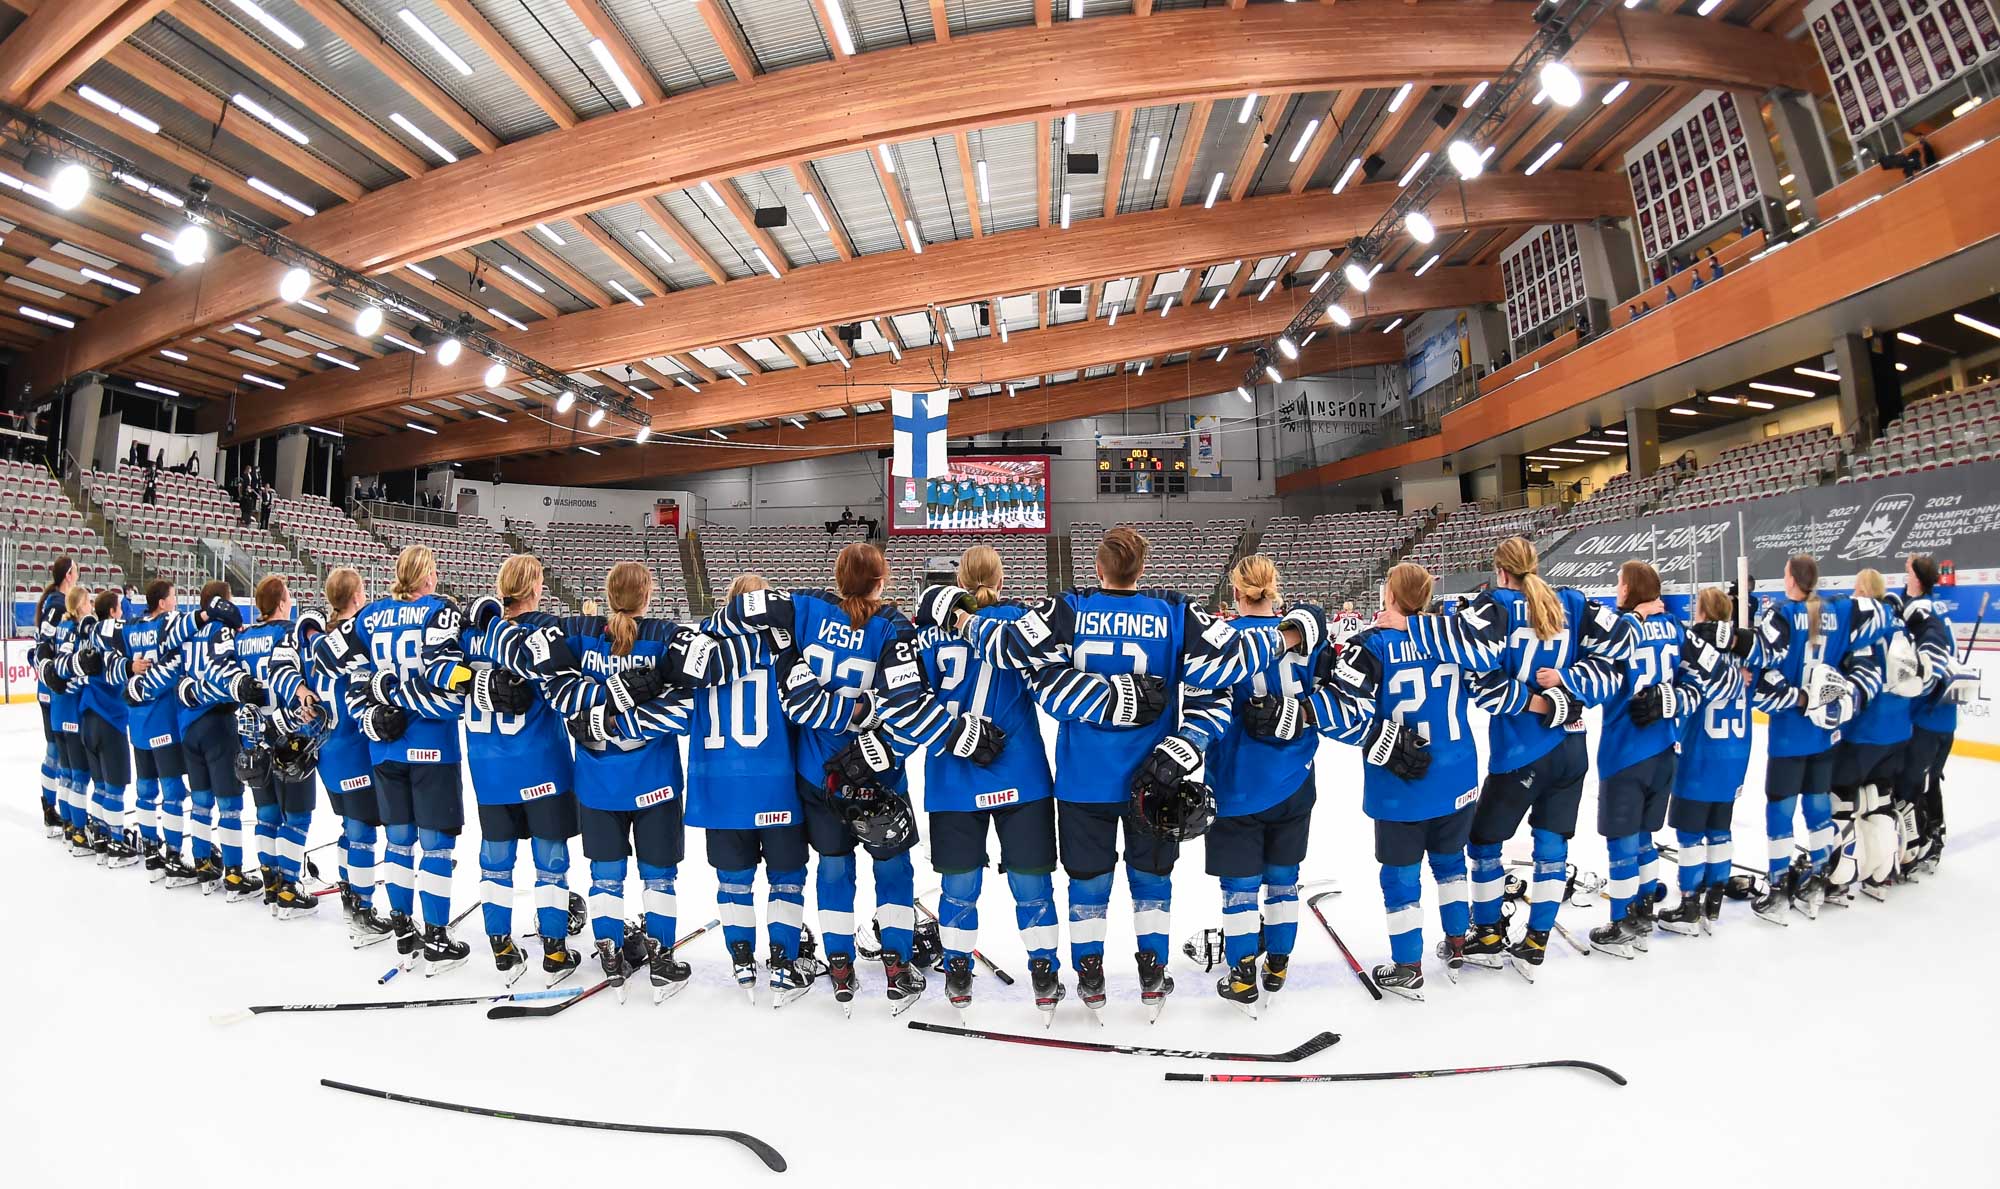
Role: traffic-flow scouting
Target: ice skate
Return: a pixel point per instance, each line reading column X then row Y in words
column 1451, row 950
column 208, row 873
column 268, row 876
column 906, row 982
column 958, row 983
column 1875, row 890
column 1048, row 987
column 1811, row 894
column 1526, row 955
column 1090, row 985
column 119, row 853
column 558, row 960
column 174, row 871
column 669, row 975
column 1684, row 918
column 364, row 926
column 788, row 982
column 409, row 943
column 1776, row 899
column 441, row 952
column 840, row 970
column 240, row 886
column 611, row 956
column 1711, row 907
column 1401, row 978
column 1239, row 986
column 79, row 843
column 1486, row 945
column 52, row 821
column 743, row 963
column 508, row 960
column 1155, row 984
column 1275, row 968
column 1641, row 917
column 156, row 862
column 1620, row 938
column 293, row 902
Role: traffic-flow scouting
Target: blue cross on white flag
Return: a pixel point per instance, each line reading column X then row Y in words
column 919, row 435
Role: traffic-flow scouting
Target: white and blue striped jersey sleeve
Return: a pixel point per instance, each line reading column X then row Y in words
column 1473, row 637
column 1937, row 648
column 805, row 701
column 1217, row 655
column 1068, row 694
column 669, row 714
column 1205, row 714
column 1038, row 639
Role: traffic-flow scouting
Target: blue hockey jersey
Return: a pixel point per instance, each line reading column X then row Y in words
column 637, row 768
column 152, row 723
column 742, row 752
column 968, row 685
column 65, row 706
column 1651, row 648
column 1583, row 652
column 417, row 640
column 1791, row 643
column 103, row 695
column 517, row 757
column 1938, row 644
column 1419, row 691
column 1885, row 718
column 1250, row 774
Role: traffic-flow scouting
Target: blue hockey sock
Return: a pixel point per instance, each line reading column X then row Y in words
column 76, row 806
column 1240, row 926
column 1778, row 831
column 1818, row 811
column 1281, row 908
column 661, row 906
column 173, row 811
column 895, row 899
column 958, row 913
column 1035, row 912
column 1649, row 867
column 267, row 834
column 400, row 852
column 785, row 908
column 496, row 885
column 203, row 816
column 1448, row 869
column 358, row 845
column 607, row 900
column 1152, row 909
column 229, row 829
column 1089, row 901
column 292, row 831
column 1550, row 881
column 1623, row 864
column 434, row 876
column 146, row 810
column 51, row 777
column 1489, row 881
column 1401, row 895
column 736, row 904
column 551, row 856
column 1721, row 849
column 833, row 891
column 111, row 808
column 1692, row 859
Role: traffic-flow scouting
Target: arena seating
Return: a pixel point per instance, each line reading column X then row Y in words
column 789, row 556
column 1024, row 561
column 1952, row 428
column 35, row 512
column 1331, row 558
column 468, row 553
column 1464, row 539
column 1770, row 467
column 1621, row 498
column 187, row 510
column 327, row 537
column 1185, row 556
column 582, row 554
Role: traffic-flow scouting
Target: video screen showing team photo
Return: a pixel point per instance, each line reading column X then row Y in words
column 976, row 494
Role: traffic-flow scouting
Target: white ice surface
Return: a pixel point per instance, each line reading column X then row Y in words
column 1861, row 1046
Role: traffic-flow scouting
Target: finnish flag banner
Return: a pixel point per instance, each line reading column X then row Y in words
column 919, row 436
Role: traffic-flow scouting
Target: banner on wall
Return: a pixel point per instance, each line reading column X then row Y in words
column 1887, row 56
column 1204, row 445
column 1435, row 347
column 1698, row 170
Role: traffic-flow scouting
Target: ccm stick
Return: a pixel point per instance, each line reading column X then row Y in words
column 237, row 1017
column 765, row 1152
column 516, row 1011
column 1344, row 951
column 1317, row 1044
column 1398, row 1075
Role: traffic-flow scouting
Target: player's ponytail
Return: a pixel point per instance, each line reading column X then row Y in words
column 858, row 575
column 979, row 573
column 1804, row 573
column 271, row 594
column 627, row 590
column 77, row 599
column 416, row 566
column 1516, row 558
column 1713, row 605
column 1641, row 582
column 59, row 571
column 343, row 590
column 1255, row 579
column 1869, row 584
column 1409, row 587
column 519, row 575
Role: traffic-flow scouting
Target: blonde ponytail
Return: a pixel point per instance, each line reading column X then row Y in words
column 1516, row 558
column 627, row 589
column 1255, row 579
column 979, row 573
column 416, row 565
column 1804, row 572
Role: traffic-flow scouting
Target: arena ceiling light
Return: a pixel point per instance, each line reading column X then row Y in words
column 1617, row 89
column 496, row 375
column 522, row 277
column 565, row 402
column 1543, row 158
column 338, row 361
column 1419, row 226
column 1152, row 161
column 589, row 451
column 1976, row 324
column 1402, row 94
column 1286, row 347
column 645, row 431
column 1214, row 188
column 145, row 387
column 1683, row 411
column 1339, row 316
column 266, row 188
column 1598, row 442
column 448, row 351
column 253, row 108
column 1561, row 84
column 1305, row 138
column 1466, row 159
column 1781, row 389
column 92, row 274
column 1346, row 175
column 1415, row 168
column 1760, row 404
column 548, row 233
column 1965, row 106
column 838, row 20
column 1426, row 265
column 1472, row 96
column 1817, row 374
column 1266, row 290
column 1393, row 325
column 625, row 293
column 1244, row 393
column 420, row 427
column 1271, row 373
column 277, row 28
column 1723, row 400
column 432, row 40
column 1069, row 128
column 514, row 322
column 421, row 271
column 423, row 138
column 254, row 378
column 176, row 356
column 490, row 415
column 405, row 344
column 295, row 284
column 1905, row 336
column 45, row 316
column 70, row 186
column 1357, row 274
column 653, row 245
column 610, row 66
column 596, row 417
column 367, row 321
column 191, row 245
column 888, row 162
column 100, row 99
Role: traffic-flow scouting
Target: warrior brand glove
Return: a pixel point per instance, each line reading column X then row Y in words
column 1136, row 698
column 247, row 690
column 253, row 767
column 867, row 711
column 864, row 761
column 632, row 687
column 1564, row 710
column 1771, row 687
column 485, row 610
column 53, row 679
column 220, row 610
column 133, row 696
column 975, row 738
column 1832, row 715
column 384, row 724
column 1399, row 748
column 938, row 607
column 591, row 727
column 187, row 693
column 1652, row 704
column 309, row 625
column 1311, row 624
column 1274, row 716
column 497, row 691
column 89, row 662
column 382, row 688
column 1171, row 761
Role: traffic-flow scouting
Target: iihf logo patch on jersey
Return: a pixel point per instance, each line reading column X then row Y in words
column 160, row 741
column 354, row 784
column 774, row 817
column 422, row 755
column 1000, row 797
column 654, row 798
column 544, row 789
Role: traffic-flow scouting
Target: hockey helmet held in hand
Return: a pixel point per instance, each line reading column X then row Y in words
column 297, row 755
column 878, row 817
column 1176, row 812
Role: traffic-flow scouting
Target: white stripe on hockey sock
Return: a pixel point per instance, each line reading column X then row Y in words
column 1406, row 918
column 361, row 870
column 1721, row 852
column 1281, row 912
column 658, row 903
column 1452, row 891
column 1692, row 856
column 231, row 836
column 173, row 819
column 291, row 851
column 434, row 883
column 1780, row 849
column 1151, row 920
column 961, row 940
column 1625, row 887
column 499, row 895
column 1238, row 924
column 548, row 895
column 1486, row 891
column 896, row 916
column 1086, row 930
column 737, row 916
column 1822, row 838
column 831, row 921
column 789, row 913
column 1040, row 937
column 1542, row 891
column 606, row 904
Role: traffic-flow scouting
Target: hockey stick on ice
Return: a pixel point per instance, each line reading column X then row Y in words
column 985, row 961
column 765, row 1152
column 1344, row 951
column 410, row 961
column 237, row 1017
column 515, row 1011
column 1396, row 1075
column 1317, row 1044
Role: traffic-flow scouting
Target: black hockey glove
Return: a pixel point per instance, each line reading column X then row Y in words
column 1564, row 710
column 89, row 662
column 1399, row 748
column 497, row 691
column 633, row 687
column 592, row 728
column 247, row 690
column 133, row 696
column 1136, row 699
column 1275, row 716
column 384, row 724
column 973, row 737
column 253, row 767
column 938, row 607
column 485, row 610
column 1654, row 703
column 222, row 610
column 1171, row 761
column 53, row 679
column 1311, row 624
column 1771, row 687
column 867, row 711
column 866, row 760
column 188, row 693
column 383, row 687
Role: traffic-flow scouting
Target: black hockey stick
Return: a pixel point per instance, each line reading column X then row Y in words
column 1396, row 1075
column 1317, row 1044
column 1973, row 638
column 765, row 1152
column 1344, row 951
column 985, row 961
column 515, row 1011
column 237, row 1017
column 410, row 961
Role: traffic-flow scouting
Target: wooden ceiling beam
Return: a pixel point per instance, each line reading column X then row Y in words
column 1253, row 151
column 968, row 182
column 559, row 270
column 381, row 55
column 475, row 266
column 1188, row 150
column 940, row 21
column 1114, row 170
column 227, row 181
column 59, row 41
column 732, row 201
column 808, row 183
column 651, row 276
column 728, row 38
column 475, row 25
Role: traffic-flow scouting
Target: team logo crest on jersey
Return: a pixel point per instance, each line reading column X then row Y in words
column 422, row 755
column 656, row 797
column 774, row 817
column 544, row 789
column 354, row 784
column 998, row 797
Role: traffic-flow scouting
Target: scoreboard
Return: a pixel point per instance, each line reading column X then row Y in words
column 1142, row 470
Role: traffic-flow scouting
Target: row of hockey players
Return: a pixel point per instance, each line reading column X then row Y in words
column 864, row 693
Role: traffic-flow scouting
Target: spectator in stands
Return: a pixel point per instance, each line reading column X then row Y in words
column 1675, row 265
column 1659, row 271
column 1714, row 266
column 1632, row 312
column 1671, row 296
column 1645, row 307
column 1696, row 283
column 1751, row 225
column 151, row 495
column 1582, row 326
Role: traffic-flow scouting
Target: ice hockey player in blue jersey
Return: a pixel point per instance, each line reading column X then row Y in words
column 1870, row 755
column 523, row 769
column 1537, row 757
column 345, row 768
column 1105, row 776
column 1808, row 641
column 57, row 648
column 1406, row 700
column 268, row 650
column 131, row 650
column 1708, row 773
column 49, row 614
column 103, row 712
column 1666, row 672
column 852, row 784
column 1014, row 793
column 1933, row 712
column 408, row 694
